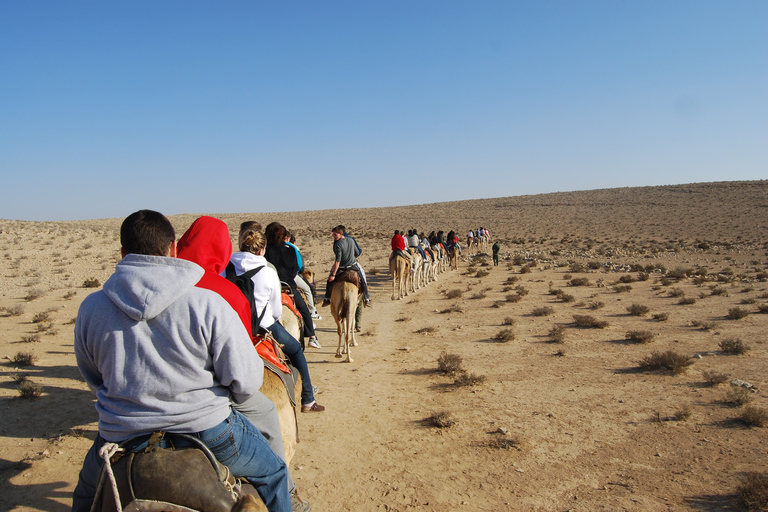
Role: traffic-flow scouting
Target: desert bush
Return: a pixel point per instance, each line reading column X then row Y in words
column 521, row 290
column 680, row 273
column 640, row 336
column 504, row 443
column 44, row 326
column 738, row 397
column 748, row 301
column 683, row 413
column 542, row 311
column 627, row 278
column 669, row 360
column 579, row 281
column 704, row 325
column 565, row 297
column 42, row 316
column 508, row 321
column 560, row 352
column 70, row 294
column 686, row 301
column 752, row 492
column 762, row 308
column 575, row 266
column 34, row 293
column 454, row 308
column 29, row 390
column 450, row 363
column 714, row 378
column 661, row 317
column 594, row 265
column 469, row 379
column 518, row 259
column 622, row 288
column 454, row 294
column 512, row 279
column 513, row 297
column 18, row 378
column 754, row 417
column 15, row 310
column 718, row 291
column 734, row 346
column 567, row 277
column 478, row 295
column 441, row 420
column 737, row 313
column 643, row 276
column 596, row 304
column 426, row 330
column 557, row 334
column 505, row 335
column 30, row 338
column 589, row 322
column 24, row 359
column 638, row 310
column 482, row 273
column 676, row 292
column 525, row 269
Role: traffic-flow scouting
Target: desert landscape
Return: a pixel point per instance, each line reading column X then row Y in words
column 615, row 359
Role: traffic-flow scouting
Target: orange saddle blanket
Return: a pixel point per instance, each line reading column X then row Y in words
column 266, row 349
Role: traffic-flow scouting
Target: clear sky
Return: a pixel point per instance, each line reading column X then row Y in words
column 188, row 106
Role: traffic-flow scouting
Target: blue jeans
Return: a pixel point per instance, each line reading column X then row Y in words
column 292, row 349
column 235, row 442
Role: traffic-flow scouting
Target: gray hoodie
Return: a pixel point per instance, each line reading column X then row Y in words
column 160, row 353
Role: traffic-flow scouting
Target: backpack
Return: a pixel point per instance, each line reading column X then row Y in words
column 245, row 283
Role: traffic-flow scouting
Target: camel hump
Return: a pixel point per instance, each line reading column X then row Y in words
column 348, row 275
column 248, row 503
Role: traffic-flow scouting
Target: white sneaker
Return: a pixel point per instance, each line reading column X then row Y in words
column 314, row 343
column 316, row 316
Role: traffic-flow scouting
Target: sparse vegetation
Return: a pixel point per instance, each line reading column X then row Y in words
column 91, row 282
column 454, row 308
column 24, row 359
column 504, row 443
column 557, row 334
column 752, row 492
column 589, row 322
column 34, row 293
column 669, row 360
column 508, row 320
column 734, row 346
column 15, row 310
column 622, row 288
column 469, row 379
column 454, row 294
column 579, row 281
column 505, row 335
column 737, row 313
column 596, row 304
column 704, row 325
column 42, row 316
column 714, row 378
column 661, row 317
column 513, row 297
column 450, row 363
column 683, row 413
column 640, row 336
column 754, row 417
column 638, row 310
column 441, row 420
column 30, row 338
column 482, row 273
column 738, row 397
column 426, row 330
column 687, row 301
column 29, row 390
column 542, row 311
column 70, row 294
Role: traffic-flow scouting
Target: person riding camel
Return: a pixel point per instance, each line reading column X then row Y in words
column 346, row 251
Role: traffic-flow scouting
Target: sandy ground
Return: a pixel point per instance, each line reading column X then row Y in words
column 548, row 426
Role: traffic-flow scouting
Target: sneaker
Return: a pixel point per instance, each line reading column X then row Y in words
column 316, row 316
column 314, row 343
column 315, row 407
column 326, row 303
column 367, row 303
column 298, row 504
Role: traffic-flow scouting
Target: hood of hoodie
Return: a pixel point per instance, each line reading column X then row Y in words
column 143, row 286
column 207, row 243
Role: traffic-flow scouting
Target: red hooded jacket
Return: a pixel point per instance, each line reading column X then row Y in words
column 207, row 243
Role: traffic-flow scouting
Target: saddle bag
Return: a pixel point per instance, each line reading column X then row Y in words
column 172, row 479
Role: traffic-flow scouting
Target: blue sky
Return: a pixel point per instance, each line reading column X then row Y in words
column 261, row 106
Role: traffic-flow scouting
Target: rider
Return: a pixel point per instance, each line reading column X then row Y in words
column 346, row 251
column 300, row 281
column 207, row 243
column 162, row 354
column 358, row 252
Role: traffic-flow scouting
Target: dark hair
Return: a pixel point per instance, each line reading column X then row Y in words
column 274, row 233
column 342, row 228
column 397, row 231
column 250, row 225
column 147, row 232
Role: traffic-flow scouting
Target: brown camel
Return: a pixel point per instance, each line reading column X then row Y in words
column 453, row 257
column 399, row 268
column 344, row 297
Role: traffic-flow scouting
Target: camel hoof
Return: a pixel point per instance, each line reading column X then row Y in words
column 348, row 360
column 337, row 355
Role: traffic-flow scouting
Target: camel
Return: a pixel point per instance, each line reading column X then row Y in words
column 344, row 298
column 399, row 268
column 453, row 257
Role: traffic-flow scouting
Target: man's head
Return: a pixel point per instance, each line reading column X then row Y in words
column 147, row 232
column 337, row 232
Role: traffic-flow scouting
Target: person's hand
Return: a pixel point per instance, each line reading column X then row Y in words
column 331, row 277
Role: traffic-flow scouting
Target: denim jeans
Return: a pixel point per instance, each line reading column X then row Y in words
column 235, row 442
column 292, row 349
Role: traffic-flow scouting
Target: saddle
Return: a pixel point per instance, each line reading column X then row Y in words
column 175, row 472
column 350, row 275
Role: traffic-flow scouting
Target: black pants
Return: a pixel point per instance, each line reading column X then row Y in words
column 298, row 299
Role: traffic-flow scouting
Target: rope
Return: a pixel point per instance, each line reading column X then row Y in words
column 106, row 452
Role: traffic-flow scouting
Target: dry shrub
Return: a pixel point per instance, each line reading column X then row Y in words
column 15, row 310
column 683, row 413
column 640, row 336
column 91, row 282
column 70, row 294
column 714, row 378
column 762, row 308
column 34, row 293
column 738, row 397
column 441, row 420
column 29, row 390
column 737, row 313
column 512, row 279
column 505, row 335
column 525, row 270
column 450, row 363
column 676, row 292
column 669, row 360
column 513, row 297
column 542, row 311
column 504, row 443
column 687, row 301
column 638, row 310
column 454, row 294
column 579, row 281
column 24, row 359
column 402, row 319
column 482, row 273
column 596, row 304
column 754, row 417
column 469, row 379
column 426, row 330
column 521, row 290
column 18, row 378
column 589, row 322
column 734, row 346
column 30, row 338
column 44, row 327
column 455, row 308
column 565, row 297
column 622, row 288
column 627, row 279
column 560, row 352
column 703, row 325
column 557, row 334
column 508, row 320
column 478, row 295
column 661, row 317
column 42, row 316
column 752, row 492
column 748, row 301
